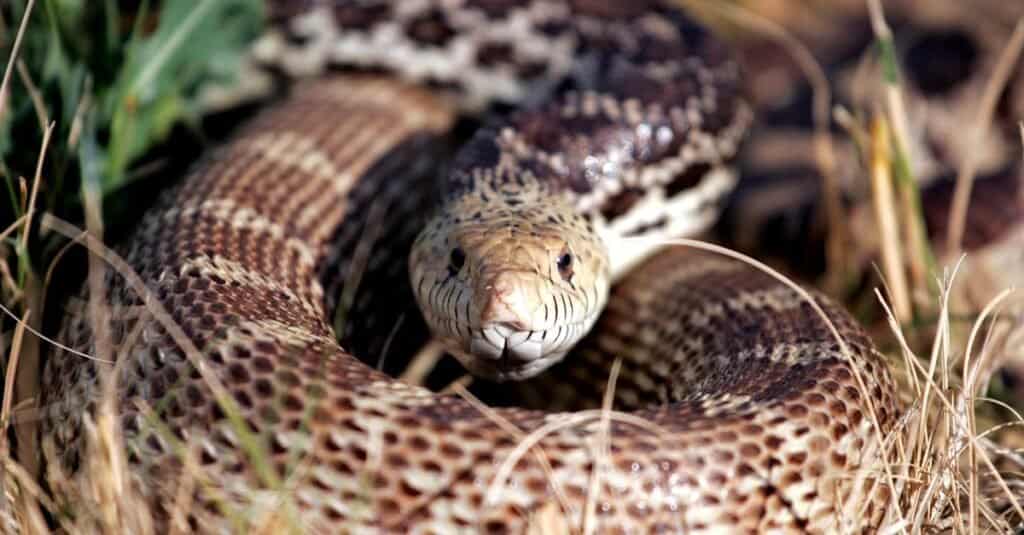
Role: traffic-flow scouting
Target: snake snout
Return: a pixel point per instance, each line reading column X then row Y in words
column 506, row 300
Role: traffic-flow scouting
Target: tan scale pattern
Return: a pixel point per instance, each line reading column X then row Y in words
column 767, row 438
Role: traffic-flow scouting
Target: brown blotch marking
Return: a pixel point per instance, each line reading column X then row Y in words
column 638, row 510
column 277, row 445
column 350, row 423
column 530, row 70
column 431, row 28
column 431, row 466
column 238, row 373
column 792, row 477
column 379, row 481
column 831, row 386
column 688, row 179
column 332, row 514
column 838, row 459
column 537, row 485
column 796, row 411
column 495, row 526
column 451, row 451
column 750, row 449
column 344, row 404
column 727, row 436
column 495, row 8
column 723, row 456
column 814, row 399
column 292, row 403
column 492, row 54
column 611, row 10
column 752, row 429
column 419, row 443
column 708, row 499
column 627, row 465
column 243, row 399
column 815, row 469
column 264, row 388
column 194, row 396
column 388, row 506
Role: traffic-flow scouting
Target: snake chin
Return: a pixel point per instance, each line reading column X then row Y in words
column 500, row 352
column 509, row 367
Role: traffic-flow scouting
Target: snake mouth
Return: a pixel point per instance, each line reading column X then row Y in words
column 502, row 352
column 510, row 357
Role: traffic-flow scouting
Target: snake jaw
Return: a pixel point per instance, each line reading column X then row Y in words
column 502, row 354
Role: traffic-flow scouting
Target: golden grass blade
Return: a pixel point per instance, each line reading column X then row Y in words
column 422, row 363
column 919, row 252
column 12, row 227
column 30, row 209
column 559, row 423
column 824, row 150
column 885, row 215
column 9, row 374
column 969, row 391
column 51, row 341
column 602, row 450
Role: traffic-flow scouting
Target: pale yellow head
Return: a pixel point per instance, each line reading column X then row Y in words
column 506, row 282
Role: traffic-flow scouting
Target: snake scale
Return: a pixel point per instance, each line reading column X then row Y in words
column 746, row 414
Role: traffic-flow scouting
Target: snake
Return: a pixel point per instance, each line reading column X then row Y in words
column 743, row 404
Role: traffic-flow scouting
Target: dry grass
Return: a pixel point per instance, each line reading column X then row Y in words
column 1009, row 60
column 934, row 463
column 885, row 217
column 824, row 149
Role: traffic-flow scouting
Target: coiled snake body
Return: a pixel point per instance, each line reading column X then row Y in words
column 748, row 414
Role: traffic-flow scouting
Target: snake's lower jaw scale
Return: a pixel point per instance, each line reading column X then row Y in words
column 509, row 362
column 510, row 352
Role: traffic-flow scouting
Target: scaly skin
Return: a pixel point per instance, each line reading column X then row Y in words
column 762, row 422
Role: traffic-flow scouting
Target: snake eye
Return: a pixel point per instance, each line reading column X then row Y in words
column 457, row 260
column 564, row 264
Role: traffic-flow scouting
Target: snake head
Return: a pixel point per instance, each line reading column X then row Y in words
column 507, row 282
